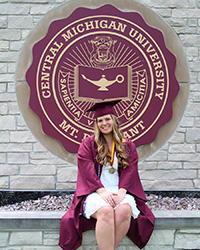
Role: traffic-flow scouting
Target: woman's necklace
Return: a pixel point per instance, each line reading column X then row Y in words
column 112, row 169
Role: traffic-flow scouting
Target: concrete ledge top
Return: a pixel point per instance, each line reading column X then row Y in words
column 50, row 220
column 58, row 214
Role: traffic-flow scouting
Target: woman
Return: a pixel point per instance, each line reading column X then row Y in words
column 109, row 194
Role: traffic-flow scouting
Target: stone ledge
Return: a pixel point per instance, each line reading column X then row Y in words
column 39, row 230
column 51, row 219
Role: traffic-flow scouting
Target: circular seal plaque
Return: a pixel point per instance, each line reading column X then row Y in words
column 102, row 54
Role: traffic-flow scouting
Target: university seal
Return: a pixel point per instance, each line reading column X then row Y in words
column 102, row 54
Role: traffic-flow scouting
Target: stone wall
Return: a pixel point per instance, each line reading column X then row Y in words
column 174, row 230
column 27, row 165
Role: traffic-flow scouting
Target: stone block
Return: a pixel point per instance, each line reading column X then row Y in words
column 11, row 88
column 189, row 231
column 67, row 174
column 51, row 239
column 32, row 1
column 184, row 157
column 20, row 22
column 4, row 183
column 4, row 45
column 197, row 184
column 44, row 159
column 169, row 165
column 158, row 156
column 192, row 22
column 2, row 158
column 185, row 30
column 187, row 122
column 41, row 248
column 8, row 170
column 162, row 237
column 11, row 67
column 177, row 22
column 21, row 123
column 13, row 108
column 182, row 148
column 40, row 9
column 9, row 9
column 7, row 78
column 167, row 185
column 3, row 22
column 13, row 147
column 163, row 12
column 187, row 241
column 25, row 34
column 189, row 40
column 147, row 165
column 186, row 13
column 192, row 52
column 16, row 46
column 4, row 239
column 9, row 35
column 25, row 238
column 38, row 170
column 154, row 247
column 21, row 137
column 18, row 158
column 3, row 87
column 194, row 65
column 195, row 96
column 191, row 165
column 193, row 135
column 37, row 147
column 7, row 123
column 167, row 175
column 89, row 238
column 193, row 110
column 4, row 136
column 66, row 186
column 8, row 97
column 32, row 182
column 3, row 68
column 3, row 108
column 89, row 248
column 177, row 138
column 170, row 3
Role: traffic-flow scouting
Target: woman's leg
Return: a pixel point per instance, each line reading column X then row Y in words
column 105, row 230
column 122, row 222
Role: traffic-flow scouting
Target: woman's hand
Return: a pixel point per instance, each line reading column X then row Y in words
column 107, row 196
column 119, row 196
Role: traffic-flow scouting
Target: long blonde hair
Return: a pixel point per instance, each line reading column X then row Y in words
column 103, row 154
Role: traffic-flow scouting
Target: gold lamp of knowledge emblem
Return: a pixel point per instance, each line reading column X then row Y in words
column 103, row 73
column 103, row 83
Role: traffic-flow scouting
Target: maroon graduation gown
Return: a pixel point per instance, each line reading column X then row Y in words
column 73, row 223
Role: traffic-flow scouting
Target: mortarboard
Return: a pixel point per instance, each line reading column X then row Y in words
column 103, row 108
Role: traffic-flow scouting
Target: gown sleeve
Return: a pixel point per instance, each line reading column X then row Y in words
column 87, row 180
column 129, row 177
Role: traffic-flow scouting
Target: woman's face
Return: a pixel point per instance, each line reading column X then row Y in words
column 105, row 124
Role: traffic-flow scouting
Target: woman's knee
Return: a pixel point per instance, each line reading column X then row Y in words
column 105, row 213
column 124, row 211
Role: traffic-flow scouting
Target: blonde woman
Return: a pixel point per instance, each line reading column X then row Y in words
column 109, row 194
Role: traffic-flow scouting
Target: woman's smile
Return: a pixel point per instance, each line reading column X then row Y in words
column 105, row 124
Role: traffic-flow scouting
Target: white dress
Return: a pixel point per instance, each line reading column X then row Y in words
column 110, row 181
